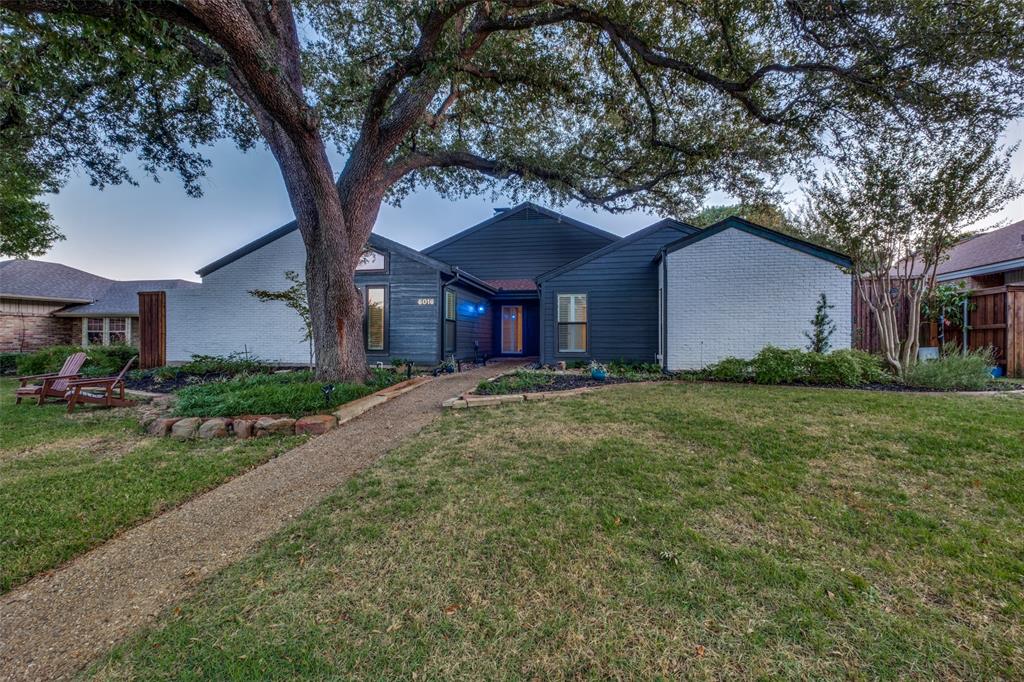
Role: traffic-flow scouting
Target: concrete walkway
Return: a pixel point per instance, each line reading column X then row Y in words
column 58, row 622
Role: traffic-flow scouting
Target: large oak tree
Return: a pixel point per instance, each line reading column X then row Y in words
column 617, row 104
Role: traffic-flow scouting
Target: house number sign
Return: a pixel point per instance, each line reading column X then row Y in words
column 425, row 301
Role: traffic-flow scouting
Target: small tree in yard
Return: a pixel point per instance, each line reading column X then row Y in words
column 295, row 298
column 621, row 105
column 822, row 327
column 895, row 205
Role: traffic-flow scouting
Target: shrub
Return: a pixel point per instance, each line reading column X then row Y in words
column 778, row 366
column 729, row 369
column 953, row 371
column 833, row 369
column 291, row 393
column 520, row 380
column 100, row 360
column 8, row 363
column 871, row 366
column 635, row 371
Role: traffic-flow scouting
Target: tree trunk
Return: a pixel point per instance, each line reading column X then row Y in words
column 335, row 306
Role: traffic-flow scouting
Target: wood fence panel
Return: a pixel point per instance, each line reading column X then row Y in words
column 152, row 329
column 1015, row 330
column 995, row 321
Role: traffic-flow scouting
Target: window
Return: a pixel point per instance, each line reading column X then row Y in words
column 371, row 261
column 451, row 309
column 103, row 331
column 572, row 323
column 94, row 331
column 117, row 330
column 375, row 318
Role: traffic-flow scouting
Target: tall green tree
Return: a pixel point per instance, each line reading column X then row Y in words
column 767, row 214
column 612, row 103
column 896, row 204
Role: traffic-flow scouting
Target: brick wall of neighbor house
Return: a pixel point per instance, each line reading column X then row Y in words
column 734, row 293
column 27, row 326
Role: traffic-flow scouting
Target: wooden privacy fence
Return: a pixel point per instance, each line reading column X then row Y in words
column 152, row 329
column 995, row 320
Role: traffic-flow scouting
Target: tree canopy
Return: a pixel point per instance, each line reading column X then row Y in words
column 616, row 104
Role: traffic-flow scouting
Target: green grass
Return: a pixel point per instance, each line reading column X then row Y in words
column 514, row 382
column 291, row 393
column 677, row 530
column 69, row 483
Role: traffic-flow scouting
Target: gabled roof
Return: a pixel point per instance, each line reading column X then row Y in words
column 667, row 223
column 40, row 280
column 994, row 251
column 375, row 241
column 507, row 213
column 735, row 222
column 521, row 284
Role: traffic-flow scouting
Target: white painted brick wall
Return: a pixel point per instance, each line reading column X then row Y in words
column 734, row 293
column 220, row 317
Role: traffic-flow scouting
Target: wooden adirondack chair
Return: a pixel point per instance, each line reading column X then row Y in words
column 104, row 389
column 50, row 385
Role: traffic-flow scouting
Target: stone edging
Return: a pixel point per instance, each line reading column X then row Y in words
column 186, row 428
column 471, row 400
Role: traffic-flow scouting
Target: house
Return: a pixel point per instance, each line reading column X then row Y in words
column 45, row 304
column 530, row 282
column 990, row 259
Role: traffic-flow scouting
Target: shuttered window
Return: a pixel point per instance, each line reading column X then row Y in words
column 375, row 318
column 451, row 309
column 572, row 323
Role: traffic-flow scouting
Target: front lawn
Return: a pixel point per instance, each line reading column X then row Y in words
column 673, row 530
column 69, row 483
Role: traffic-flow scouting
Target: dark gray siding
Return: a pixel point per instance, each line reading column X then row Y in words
column 622, row 301
column 472, row 325
column 523, row 245
column 412, row 329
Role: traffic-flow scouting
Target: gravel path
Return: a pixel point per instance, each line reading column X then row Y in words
column 57, row 623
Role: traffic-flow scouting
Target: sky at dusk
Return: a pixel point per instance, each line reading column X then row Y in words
column 155, row 231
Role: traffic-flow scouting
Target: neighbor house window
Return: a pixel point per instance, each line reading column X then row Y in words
column 94, row 331
column 117, row 330
column 103, row 331
column 451, row 309
column 371, row 261
column 572, row 323
column 375, row 318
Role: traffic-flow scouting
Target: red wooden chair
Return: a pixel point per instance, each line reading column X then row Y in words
column 50, row 385
column 104, row 389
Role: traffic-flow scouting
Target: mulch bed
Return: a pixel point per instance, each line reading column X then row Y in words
column 565, row 382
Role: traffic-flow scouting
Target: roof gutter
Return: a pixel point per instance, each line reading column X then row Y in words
column 461, row 275
column 24, row 297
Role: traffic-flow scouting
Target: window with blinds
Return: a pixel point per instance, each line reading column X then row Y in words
column 451, row 309
column 375, row 318
column 572, row 323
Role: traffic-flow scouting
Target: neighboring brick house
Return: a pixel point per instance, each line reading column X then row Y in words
column 45, row 304
column 531, row 282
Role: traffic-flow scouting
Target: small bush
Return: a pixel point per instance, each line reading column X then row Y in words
column 872, row 367
column 100, row 360
column 9, row 363
column 517, row 381
column 953, row 372
column 778, row 366
column 729, row 369
column 291, row 393
column 833, row 369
